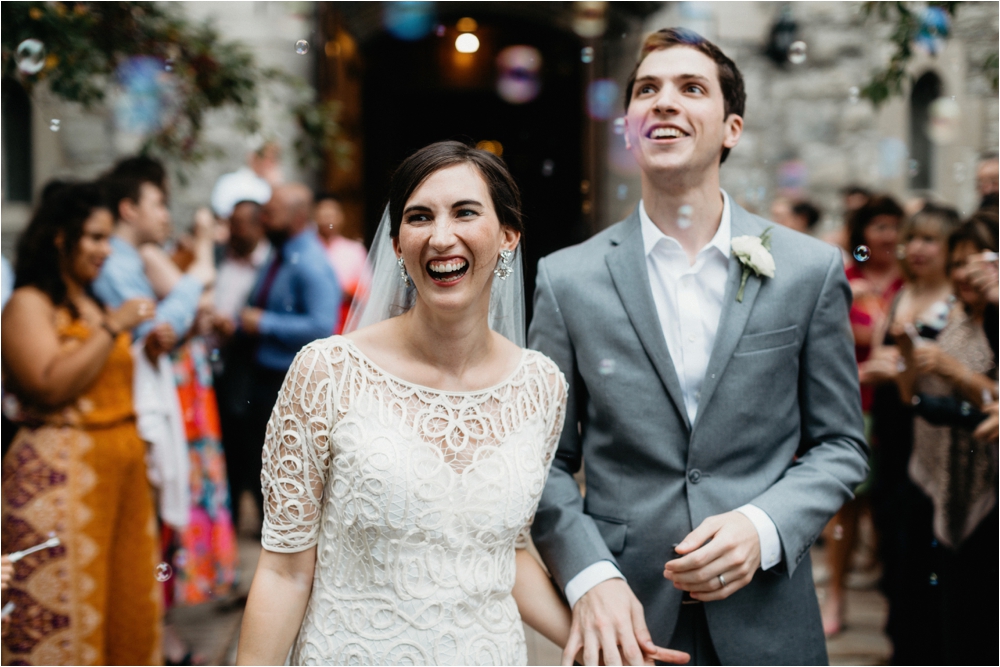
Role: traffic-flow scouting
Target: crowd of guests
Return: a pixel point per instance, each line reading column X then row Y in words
column 140, row 367
column 924, row 319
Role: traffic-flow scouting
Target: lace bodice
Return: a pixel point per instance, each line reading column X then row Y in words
column 415, row 499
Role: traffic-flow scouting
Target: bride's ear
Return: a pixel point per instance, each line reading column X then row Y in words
column 395, row 246
column 511, row 237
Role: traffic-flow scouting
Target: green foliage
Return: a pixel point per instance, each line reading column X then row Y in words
column 85, row 43
column 908, row 27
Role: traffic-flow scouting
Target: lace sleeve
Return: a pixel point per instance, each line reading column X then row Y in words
column 297, row 453
column 555, row 414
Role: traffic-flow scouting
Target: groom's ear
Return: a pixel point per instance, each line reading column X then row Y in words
column 733, row 129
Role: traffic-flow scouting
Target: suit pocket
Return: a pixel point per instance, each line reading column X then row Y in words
column 613, row 531
column 768, row 340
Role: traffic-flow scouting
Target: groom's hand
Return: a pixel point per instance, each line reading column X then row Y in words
column 610, row 626
column 733, row 552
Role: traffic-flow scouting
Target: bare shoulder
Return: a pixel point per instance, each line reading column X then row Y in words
column 28, row 302
column 376, row 339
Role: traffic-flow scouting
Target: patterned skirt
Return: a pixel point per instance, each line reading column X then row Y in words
column 94, row 599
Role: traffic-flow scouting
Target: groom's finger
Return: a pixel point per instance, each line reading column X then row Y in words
column 591, row 647
column 609, row 645
column 697, row 537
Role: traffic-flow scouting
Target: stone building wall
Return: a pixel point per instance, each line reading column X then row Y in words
column 802, row 121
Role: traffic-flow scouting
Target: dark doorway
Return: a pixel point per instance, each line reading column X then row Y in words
column 416, row 93
column 925, row 91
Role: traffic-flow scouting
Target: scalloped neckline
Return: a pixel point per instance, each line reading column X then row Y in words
column 475, row 392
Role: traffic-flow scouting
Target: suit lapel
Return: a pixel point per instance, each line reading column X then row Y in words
column 627, row 263
column 734, row 316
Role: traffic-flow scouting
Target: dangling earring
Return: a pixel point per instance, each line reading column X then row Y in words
column 402, row 272
column 505, row 266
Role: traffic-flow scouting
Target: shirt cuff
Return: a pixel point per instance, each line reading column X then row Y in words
column 767, row 533
column 589, row 577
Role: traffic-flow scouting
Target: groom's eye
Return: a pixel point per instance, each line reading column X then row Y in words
column 466, row 213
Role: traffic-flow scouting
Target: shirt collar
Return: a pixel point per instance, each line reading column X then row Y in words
column 651, row 234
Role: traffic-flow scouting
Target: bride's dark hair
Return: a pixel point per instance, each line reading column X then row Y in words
column 416, row 168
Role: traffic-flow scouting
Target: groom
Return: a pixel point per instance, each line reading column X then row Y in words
column 719, row 421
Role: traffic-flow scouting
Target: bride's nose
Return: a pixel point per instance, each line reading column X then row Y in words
column 442, row 235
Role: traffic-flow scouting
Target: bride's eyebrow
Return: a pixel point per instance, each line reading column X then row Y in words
column 417, row 207
column 466, row 202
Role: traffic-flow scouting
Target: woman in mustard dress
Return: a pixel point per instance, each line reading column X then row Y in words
column 76, row 469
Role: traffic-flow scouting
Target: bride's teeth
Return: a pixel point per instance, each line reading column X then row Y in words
column 446, row 267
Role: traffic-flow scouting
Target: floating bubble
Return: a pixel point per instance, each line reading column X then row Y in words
column 602, row 96
column 214, row 356
column 619, row 125
column 440, row 30
column 180, row 558
column 163, row 572
column 901, row 252
column 518, row 67
column 913, row 167
column 548, row 166
column 862, row 253
column 302, row 47
column 55, row 125
column 797, row 52
column 684, row 214
column 606, row 367
column 408, row 21
column 838, row 532
column 30, row 56
column 933, row 579
column 168, row 65
column 958, row 172
column 587, row 55
column 944, row 117
column 589, row 19
column 853, row 94
column 622, row 191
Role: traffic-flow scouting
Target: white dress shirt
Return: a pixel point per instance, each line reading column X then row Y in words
column 688, row 299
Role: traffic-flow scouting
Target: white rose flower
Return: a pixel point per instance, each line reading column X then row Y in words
column 753, row 254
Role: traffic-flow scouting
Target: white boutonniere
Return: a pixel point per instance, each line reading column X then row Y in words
column 754, row 253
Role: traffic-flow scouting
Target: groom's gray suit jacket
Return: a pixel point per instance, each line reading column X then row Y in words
column 778, row 425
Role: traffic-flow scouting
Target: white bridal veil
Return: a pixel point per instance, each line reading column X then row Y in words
column 381, row 293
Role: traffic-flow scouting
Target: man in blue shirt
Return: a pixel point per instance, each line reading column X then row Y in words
column 136, row 191
column 295, row 301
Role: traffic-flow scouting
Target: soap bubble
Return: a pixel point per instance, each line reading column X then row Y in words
column 440, row 30
column 55, row 125
column 901, row 251
column 797, row 52
column 518, row 73
column 684, row 214
column 913, row 167
column 168, row 65
column 862, row 253
column 302, row 47
column 587, row 55
column 622, row 191
column 602, row 96
column 606, row 367
column 958, row 172
column 214, row 356
column 619, row 125
column 548, row 166
column 933, row 579
column 838, row 532
column 854, row 94
column 30, row 56
column 409, row 21
column 163, row 572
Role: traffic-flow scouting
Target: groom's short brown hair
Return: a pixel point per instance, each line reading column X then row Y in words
column 733, row 94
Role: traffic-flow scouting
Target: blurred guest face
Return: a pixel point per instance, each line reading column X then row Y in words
column 329, row 218
column 926, row 252
column 287, row 212
column 450, row 239
column 854, row 201
column 676, row 118
column 882, row 237
column 245, row 230
column 149, row 216
column 988, row 177
column 94, row 247
column 781, row 213
column 965, row 290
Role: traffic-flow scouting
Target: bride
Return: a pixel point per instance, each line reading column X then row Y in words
column 404, row 460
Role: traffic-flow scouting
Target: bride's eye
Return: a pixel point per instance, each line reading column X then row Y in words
column 466, row 213
column 417, row 217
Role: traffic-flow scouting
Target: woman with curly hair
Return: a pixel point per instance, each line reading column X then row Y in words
column 76, row 468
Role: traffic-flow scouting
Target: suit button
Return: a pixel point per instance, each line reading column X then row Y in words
column 694, row 476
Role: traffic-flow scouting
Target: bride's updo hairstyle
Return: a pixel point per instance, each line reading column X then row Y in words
column 416, row 168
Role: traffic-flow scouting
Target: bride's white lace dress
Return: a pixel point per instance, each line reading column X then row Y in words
column 415, row 498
